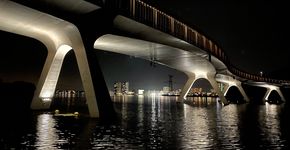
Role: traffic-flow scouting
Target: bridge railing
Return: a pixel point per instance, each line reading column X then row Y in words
column 151, row 16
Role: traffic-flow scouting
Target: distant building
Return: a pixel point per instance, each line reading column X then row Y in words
column 140, row 92
column 68, row 93
column 117, row 88
column 195, row 91
column 125, row 87
column 166, row 90
column 121, row 88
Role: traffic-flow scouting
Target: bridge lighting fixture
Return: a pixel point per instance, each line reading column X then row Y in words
column 46, row 99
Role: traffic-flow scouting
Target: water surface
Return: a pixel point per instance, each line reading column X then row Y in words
column 155, row 122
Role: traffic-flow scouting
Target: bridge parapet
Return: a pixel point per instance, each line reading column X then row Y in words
column 151, row 16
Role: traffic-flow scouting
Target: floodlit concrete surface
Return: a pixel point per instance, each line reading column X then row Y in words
column 59, row 36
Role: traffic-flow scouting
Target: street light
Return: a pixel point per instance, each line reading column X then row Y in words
column 261, row 73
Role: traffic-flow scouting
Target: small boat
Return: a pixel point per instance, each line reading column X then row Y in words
column 75, row 114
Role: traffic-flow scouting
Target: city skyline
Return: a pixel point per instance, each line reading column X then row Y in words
column 140, row 74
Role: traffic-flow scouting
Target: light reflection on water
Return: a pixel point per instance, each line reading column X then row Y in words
column 161, row 123
column 195, row 129
column 271, row 125
column 46, row 133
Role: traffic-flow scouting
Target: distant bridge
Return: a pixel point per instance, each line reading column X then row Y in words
column 143, row 31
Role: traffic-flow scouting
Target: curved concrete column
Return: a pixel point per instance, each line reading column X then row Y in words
column 226, row 88
column 59, row 37
column 239, row 86
column 212, row 81
column 267, row 94
column 281, row 94
column 191, row 79
column 229, row 82
column 271, row 88
column 47, row 82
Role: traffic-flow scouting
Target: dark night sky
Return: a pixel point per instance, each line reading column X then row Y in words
column 253, row 33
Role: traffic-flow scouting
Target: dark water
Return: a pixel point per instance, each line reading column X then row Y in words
column 155, row 123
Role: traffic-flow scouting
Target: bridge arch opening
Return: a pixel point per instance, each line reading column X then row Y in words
column 203, row 84
column 203, row 92
column 234, row 95
column 138, row 72
column 69, row 93
column 274, row 97
column 255, row 93
column 30, row 52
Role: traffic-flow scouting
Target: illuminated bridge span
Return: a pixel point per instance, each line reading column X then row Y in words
column 142, row 31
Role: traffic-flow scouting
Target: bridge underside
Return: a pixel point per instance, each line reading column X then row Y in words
column 195, row 65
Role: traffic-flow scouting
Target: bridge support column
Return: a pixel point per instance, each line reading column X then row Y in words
column 229, row 82
column 47, row 82
column 281, row 94
column 45, row 88
column 267, row 94
column 191, row 79
column 59, row 37
column 50, row 74
column 271, row 88
column 212, row 81
column 239, row 86
column 226, row 88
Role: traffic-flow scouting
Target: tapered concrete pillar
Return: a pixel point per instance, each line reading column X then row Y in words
column 271, row 88
column 226, row 88
column 59, row 37
column 191, row 79
column 47, row 82
column 281, row 94
column 212, row 81
column 242, row 91
column 267, row 94
column 84, row 68
column 229, row 82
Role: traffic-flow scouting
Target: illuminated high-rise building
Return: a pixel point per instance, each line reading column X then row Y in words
column 121, row 88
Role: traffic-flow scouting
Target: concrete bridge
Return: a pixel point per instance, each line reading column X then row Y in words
column 138, row 30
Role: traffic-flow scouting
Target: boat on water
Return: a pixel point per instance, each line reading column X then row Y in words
column 75, row 114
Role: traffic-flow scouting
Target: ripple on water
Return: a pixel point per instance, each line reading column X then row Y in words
column 160, row 123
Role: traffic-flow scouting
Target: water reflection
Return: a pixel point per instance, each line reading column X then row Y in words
column 271, row 125
column 161, row 123
column 140, row 110
column 227, row 127
column 47, row 137
column 46, row 134
column 195, row 130
column 201, row 101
